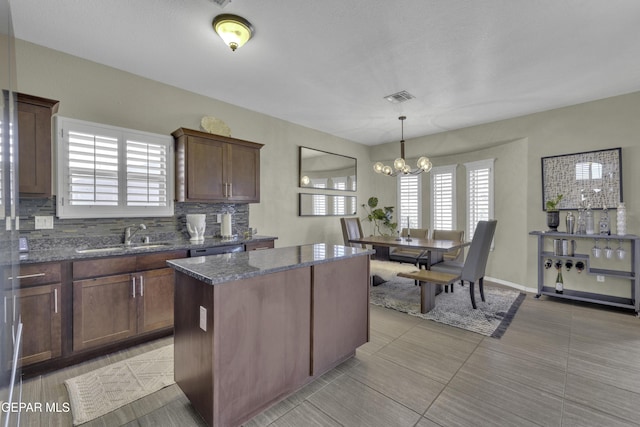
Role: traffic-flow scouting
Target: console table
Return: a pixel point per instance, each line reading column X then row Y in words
column 632, row 275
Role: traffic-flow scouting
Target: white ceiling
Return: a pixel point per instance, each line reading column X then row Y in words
column 328, row 64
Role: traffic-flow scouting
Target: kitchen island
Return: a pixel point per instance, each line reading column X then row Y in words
column 253, row 327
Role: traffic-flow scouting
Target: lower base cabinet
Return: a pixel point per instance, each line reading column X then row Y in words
column 40, row 313
column 104, row 311
column 115, row 307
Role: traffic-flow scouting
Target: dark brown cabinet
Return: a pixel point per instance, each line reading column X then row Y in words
column 216, row 168
column 34, row 137
column 121, row 297
column 258, row 246
column 39, row 303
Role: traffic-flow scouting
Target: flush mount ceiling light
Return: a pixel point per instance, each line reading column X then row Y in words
column 399, row 164
column 233, row 29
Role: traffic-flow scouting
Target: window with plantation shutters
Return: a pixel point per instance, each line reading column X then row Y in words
column 443, row 197
column 479, row 193
column 147, row 179
column 105, row 171
column 319, row 200
column 409, row 201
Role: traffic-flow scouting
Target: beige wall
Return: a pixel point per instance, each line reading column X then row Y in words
column 93, row 92
column 518, row 145
column 90, row 91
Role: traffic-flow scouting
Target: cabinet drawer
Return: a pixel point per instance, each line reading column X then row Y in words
column 34, row 274
column 87, row 269
column 256, row 246
column 158, row 260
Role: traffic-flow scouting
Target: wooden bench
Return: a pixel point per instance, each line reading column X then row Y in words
column 429, row 281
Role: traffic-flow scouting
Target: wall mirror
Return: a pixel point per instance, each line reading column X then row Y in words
column 320, row 169
column 326, row 205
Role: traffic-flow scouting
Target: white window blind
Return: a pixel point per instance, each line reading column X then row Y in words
column 443, row 198
column 339, row 202
column 106, row 171
column 146, row 174
column 479, row 193
column 409, row 205
column 92, row 169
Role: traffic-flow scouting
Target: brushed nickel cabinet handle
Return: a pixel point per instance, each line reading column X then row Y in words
column 28, row 276
column 55, row 300
column 141, row 286
column 5, row 309
column 133, row 286
column 231, row 189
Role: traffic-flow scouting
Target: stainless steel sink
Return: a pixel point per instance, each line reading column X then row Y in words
column 120, row 248
column 148, row 245
column 100, row 250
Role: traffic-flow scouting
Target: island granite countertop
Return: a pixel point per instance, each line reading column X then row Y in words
column 217, row 269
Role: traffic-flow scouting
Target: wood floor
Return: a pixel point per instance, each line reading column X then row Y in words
column 559, row 364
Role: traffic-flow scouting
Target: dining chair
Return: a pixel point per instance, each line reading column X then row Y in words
column 351, row 229
column 448, row 262
column 410, row 255
column 472, row 271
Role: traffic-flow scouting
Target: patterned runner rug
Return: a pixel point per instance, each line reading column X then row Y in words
column 491, row 318
column 106, row 389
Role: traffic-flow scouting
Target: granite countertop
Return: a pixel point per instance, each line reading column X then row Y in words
column 216, row 269
column 70, row 253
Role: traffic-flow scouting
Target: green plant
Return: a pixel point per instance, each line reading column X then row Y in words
column 552, row 205
column 381, row 217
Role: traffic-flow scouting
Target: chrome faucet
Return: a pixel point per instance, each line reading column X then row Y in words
column 128, row 234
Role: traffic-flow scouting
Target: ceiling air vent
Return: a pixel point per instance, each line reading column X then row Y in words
column 221, row 3
column 398, row 97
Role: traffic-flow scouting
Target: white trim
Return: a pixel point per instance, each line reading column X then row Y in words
column 509, row 284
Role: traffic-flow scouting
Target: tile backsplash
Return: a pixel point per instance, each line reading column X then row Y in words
column 111, row 230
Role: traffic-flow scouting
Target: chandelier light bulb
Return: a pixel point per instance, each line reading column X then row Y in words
column 305, row 180
column 378, row 167
column 424, row 163
column 399, row 164
column 387, row 170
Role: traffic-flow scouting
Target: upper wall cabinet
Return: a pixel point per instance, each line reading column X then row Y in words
column 34, row 141
column 215, row 168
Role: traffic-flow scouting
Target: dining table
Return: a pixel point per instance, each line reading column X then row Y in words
column 381, row 244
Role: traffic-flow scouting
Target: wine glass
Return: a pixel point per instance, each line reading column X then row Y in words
column 620, row 252
column 608, row 252
column 596, row 251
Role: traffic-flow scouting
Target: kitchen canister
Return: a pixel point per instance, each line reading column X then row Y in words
column 557, row 247
column 225, row 227
column 570, row 222
column 568, row 247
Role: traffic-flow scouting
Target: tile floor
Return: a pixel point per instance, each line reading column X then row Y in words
column 559, row 364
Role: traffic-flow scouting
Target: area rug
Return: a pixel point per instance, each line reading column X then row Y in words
column 491, row 318
column 106, row 389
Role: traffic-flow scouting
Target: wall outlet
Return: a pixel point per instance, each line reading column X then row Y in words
column 43, row 222
column 203, row 318
column 600, row 278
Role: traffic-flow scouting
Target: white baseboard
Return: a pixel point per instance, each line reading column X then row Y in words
column 511, row 284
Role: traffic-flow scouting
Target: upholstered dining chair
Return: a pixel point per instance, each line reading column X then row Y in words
column 474, row 266
column 448, row 262
column 410, row 255
column 351, row 229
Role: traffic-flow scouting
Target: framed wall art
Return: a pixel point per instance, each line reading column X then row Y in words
column 592, row 178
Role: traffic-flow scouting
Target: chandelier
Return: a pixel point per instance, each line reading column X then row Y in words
column 400, row 166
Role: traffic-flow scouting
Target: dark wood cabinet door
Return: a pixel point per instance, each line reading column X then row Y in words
column 104, row 310
column 155, row 303
column 243, row 173
column 205, row 174
column 34, row 136
column 40, row 313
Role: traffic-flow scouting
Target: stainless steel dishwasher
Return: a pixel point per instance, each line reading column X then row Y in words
column 216, row 250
